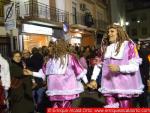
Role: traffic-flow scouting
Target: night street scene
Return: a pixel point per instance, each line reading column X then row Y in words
column 74, row 54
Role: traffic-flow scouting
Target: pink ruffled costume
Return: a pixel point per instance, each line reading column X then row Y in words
column 63, row 82
column 124, row 84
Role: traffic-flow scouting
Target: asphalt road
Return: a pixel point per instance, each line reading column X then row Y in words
column 89, row 99
column 93, row 99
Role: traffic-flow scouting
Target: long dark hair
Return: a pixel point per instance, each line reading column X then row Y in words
column 12, row 61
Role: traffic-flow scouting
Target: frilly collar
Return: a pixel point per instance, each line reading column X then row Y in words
column 111, row 51
column 54, row 66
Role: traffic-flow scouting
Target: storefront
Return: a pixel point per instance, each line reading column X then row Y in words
column 83, row 35
column 34, row 36
column 75, row 38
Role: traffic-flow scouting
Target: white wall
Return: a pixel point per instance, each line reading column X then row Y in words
column 60, row 4
column 4, row 32
column 22, row 7
column 44, row 1
column 43, row 11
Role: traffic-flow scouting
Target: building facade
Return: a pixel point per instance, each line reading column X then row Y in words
column 138, row 18
column 117, row 12
column 39, row 21
column 36, row 23
column 88, row 20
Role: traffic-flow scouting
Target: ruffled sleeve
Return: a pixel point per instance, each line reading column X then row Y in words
column 134, row 60
column 133, row 52
column 78, row 69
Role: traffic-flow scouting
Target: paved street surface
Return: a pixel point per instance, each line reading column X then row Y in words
column 93, row 99
column 89, row 99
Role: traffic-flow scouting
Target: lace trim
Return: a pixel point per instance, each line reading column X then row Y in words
column 130, row 91
column 115, row 105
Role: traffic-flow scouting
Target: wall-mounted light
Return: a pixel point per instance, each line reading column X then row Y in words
column 122, row 22
column 54, row 39
column 78, row 35
column 138, row 21
column 127, row 23
column 116, row 23
column 76, row 30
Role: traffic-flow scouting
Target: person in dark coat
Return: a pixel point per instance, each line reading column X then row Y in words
column 26, row 58
column 20, row 94
column 36, row 63
column 144, row 69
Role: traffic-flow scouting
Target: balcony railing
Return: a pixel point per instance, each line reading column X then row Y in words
column 35, row 10
column 42, row 11
column 1, row 9
column 79, row 18
column 100, row 24
column 2, row 3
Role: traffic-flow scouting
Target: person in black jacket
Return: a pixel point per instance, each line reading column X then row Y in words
column 144, row 69
column 36, row 63
column 26, row 58
column 20, row 94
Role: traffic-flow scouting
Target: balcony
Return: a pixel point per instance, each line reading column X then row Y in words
column 38, row 13
column 2, row 3
column 101, row 25
column 78, row 19
column 35, row 11
column 1, row 9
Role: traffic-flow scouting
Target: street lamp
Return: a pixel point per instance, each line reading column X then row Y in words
column 127, row 23
column 138, row 21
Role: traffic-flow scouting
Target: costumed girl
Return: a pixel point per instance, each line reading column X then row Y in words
column 121, row 79
column 63, row 73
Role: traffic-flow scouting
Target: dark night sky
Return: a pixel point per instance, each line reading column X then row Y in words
column 138, row 4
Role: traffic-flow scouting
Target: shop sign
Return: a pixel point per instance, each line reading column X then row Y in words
column 28, row 28
column 10, row 16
